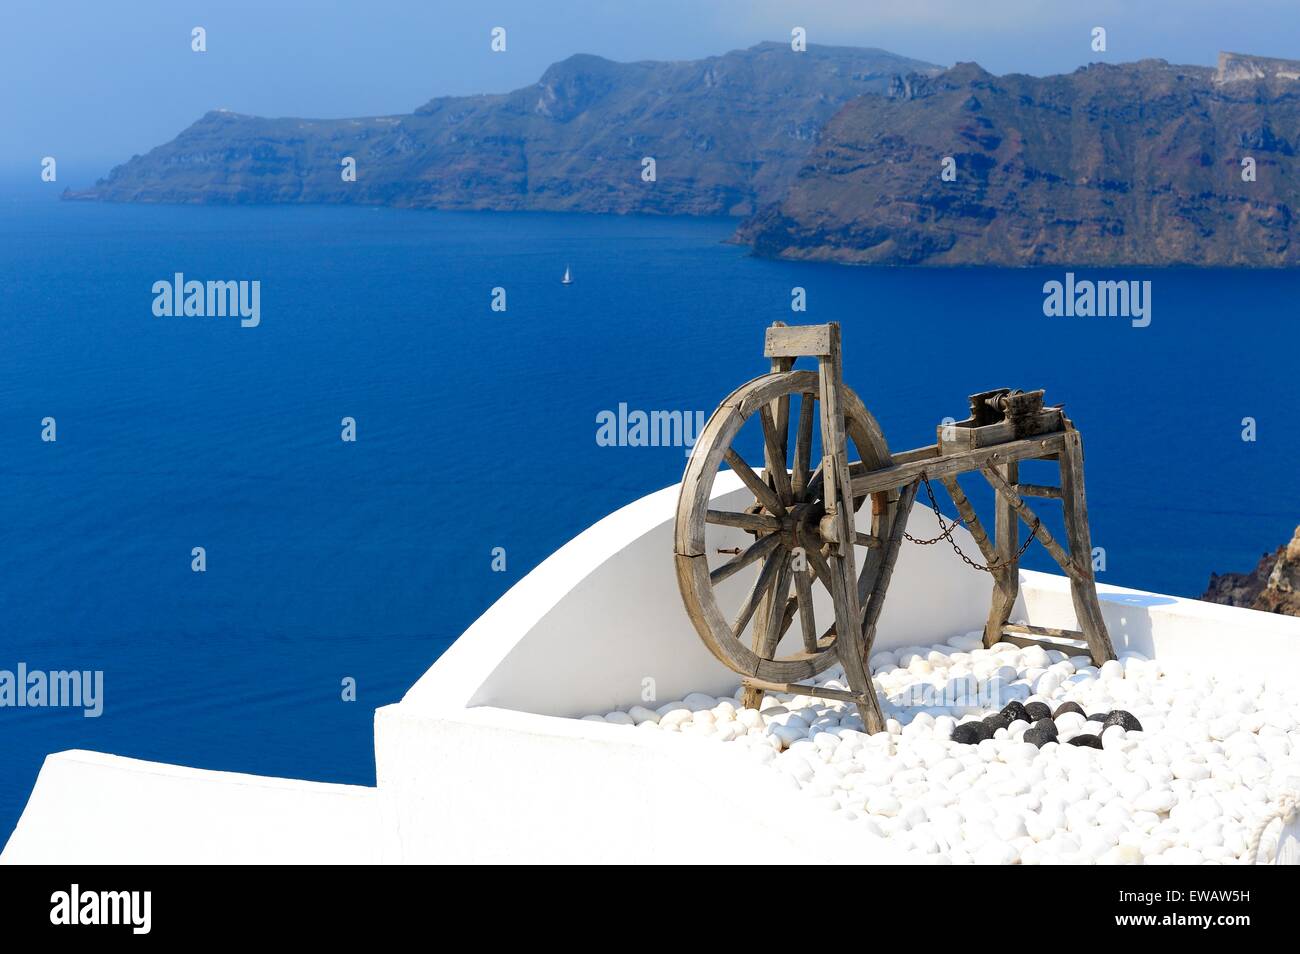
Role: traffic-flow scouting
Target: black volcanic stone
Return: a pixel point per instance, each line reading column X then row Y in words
column 1091, row 741
column 1038, row 711
column 1041, row 732
column 1099, row 717
column 1065, row 707
column 967, row 733
column 995, row 722
column 1125, row 720
column 1014, row 711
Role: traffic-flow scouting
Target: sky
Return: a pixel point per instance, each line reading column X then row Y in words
column 93, row 82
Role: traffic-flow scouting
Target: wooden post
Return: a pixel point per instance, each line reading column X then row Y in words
column 1083, row 584
column 1006, row 582
column 839, row 505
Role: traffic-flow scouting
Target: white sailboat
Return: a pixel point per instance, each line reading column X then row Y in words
column 567, row 279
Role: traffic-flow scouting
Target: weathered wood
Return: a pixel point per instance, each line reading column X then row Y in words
column 774, row 455
column 820, row 692
column 774, row 612
column 889, row 556
column 780, row 410
column 807, row 614
column 1006, row 582
column 818, row 511
column 755, row 551
column 929, row 452
column 1071, row 649
column 757, row 486
column 849, row 644
column 1083, row 586
column 1047, row 631
column 759, row 522
column 1038, row 490
column 798, row 341
column 890, row 478
column 972, row 520
column 715, row 631
column 766, row 576
column 803, row 447
column 1003, row 487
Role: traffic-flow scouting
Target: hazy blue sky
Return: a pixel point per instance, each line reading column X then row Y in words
column 93, row 81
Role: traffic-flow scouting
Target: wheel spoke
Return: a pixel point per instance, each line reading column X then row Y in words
column 764, row 582
column 803, row 447
column 756, row 551
column 761, row 491
column 773, row 443
column 812, row 552
column 807, row 620
column 745, row 521
column 765, row 643
column 781, row 413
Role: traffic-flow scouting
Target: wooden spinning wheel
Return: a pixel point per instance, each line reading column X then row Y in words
column 803, row 522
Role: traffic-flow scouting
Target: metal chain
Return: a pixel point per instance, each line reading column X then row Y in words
column 946, row 534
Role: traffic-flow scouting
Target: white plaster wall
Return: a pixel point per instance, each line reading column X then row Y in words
column 494, row 785
column 1176, row 629
column 91, row 808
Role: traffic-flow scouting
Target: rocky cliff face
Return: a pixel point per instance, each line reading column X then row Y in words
column 727, row 133
column 1273, row 586
column 1138, row 163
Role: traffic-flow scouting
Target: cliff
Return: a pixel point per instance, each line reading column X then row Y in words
column 1273, row 586
column 1134, row 164
column 727, row 133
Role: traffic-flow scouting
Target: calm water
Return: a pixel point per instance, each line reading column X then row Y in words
column 476, row 430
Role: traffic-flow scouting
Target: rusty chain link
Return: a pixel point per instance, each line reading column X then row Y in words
column 946, row 534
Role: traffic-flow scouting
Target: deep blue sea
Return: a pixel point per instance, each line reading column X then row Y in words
column 476, row 429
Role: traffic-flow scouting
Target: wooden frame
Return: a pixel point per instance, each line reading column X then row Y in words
column 799, row 512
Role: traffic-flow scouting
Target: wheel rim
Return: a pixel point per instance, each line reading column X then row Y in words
column 785, row 516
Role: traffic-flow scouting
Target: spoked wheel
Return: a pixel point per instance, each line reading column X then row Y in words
column 796, row 537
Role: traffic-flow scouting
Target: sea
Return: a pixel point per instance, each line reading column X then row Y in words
column 252, row 585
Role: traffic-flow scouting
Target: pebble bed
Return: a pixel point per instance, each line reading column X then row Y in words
column 1012, row 755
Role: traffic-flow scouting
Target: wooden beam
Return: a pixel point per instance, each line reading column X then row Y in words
column 890, row 478
column 797, row 341
column 820, row 692
column 1038, row 490
column 1066, row 648
column 1048, row 631
column 971, row 519
column 1031, row 521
